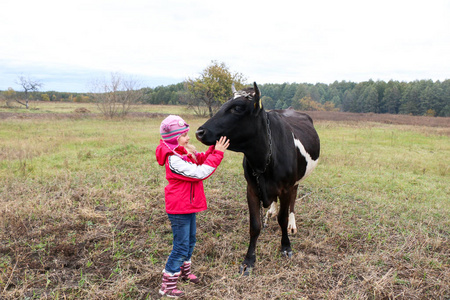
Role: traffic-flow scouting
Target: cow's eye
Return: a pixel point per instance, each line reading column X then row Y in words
column 238, row 109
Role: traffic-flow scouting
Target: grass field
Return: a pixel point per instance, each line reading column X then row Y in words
column 82, row 213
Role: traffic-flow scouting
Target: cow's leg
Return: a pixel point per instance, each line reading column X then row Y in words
column 272, row 212
column 254, row 206
column 292, row 227
column 283, row 220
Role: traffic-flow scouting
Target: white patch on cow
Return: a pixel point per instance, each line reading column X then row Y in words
column 246, row 95
column 310, row 163
column 292, row 228
column 272, row 212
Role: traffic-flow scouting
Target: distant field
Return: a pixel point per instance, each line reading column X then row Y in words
column 82, row 211
column 40, row 109
column 65, row 108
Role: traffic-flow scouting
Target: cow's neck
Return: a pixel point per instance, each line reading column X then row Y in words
column 260, row 157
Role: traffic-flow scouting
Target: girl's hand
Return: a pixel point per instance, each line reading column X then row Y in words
column 222, row 144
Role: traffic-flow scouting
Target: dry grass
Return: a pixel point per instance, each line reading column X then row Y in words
column 82, row 216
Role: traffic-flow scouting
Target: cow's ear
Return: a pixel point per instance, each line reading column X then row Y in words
column 257, row 99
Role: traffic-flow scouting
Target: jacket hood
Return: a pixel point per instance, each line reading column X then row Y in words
column 163, row 151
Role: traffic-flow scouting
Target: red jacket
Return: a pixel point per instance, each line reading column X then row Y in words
column 184, row 194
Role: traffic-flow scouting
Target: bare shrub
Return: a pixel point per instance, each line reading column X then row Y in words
column 116, row 96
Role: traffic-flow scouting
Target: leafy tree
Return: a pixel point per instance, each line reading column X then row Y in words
column 329, row 106
column 9, row 96
column 271, row 90
column 322, row 89
column 308, row 104
column 314, row 93
column 45, row 97
column 336, row 100
column 288, row 94
column 358, row 92
column 380, row 87
column 443, row 105
column 279, row 104
column 427, row 100
column 268, row 102
column 170, row 94
column 370, row 100
column 301, row 91
column 392, row 96
column 410, row 99
column 334, row 96
column 10, row 93
column 349, row 101
column 213, row 87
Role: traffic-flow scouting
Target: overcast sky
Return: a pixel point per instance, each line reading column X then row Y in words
column 68, row 44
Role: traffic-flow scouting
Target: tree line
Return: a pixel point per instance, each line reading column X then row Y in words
column 47, row 96
column 421, row 97
column 206, row 93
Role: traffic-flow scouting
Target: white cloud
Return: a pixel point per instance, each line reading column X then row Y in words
column 282, row 41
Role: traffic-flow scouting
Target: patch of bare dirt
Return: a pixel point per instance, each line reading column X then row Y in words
column 82, row 110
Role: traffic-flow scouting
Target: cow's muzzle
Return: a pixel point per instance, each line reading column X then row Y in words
column 200, row 134
column 205, row 136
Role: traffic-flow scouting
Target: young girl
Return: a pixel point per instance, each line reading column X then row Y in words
column 184, row 195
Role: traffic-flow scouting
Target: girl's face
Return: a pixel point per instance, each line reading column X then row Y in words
column 183, row 140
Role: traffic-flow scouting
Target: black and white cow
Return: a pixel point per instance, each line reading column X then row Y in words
column 281, row 147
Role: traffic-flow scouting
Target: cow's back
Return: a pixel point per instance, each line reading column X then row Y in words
column 303, row 129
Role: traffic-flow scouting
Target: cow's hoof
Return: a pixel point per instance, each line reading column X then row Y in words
column 245, row 270
column 287, row 254
column 292, row 231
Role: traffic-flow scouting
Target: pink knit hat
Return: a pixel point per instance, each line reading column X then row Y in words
column 171, row 129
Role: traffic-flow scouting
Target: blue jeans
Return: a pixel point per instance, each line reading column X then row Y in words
column 183, row 228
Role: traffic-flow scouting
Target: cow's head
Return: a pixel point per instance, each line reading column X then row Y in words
column 237, row 119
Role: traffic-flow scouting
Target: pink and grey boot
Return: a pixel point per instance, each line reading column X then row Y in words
column 169, row 285
column 186, row 274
